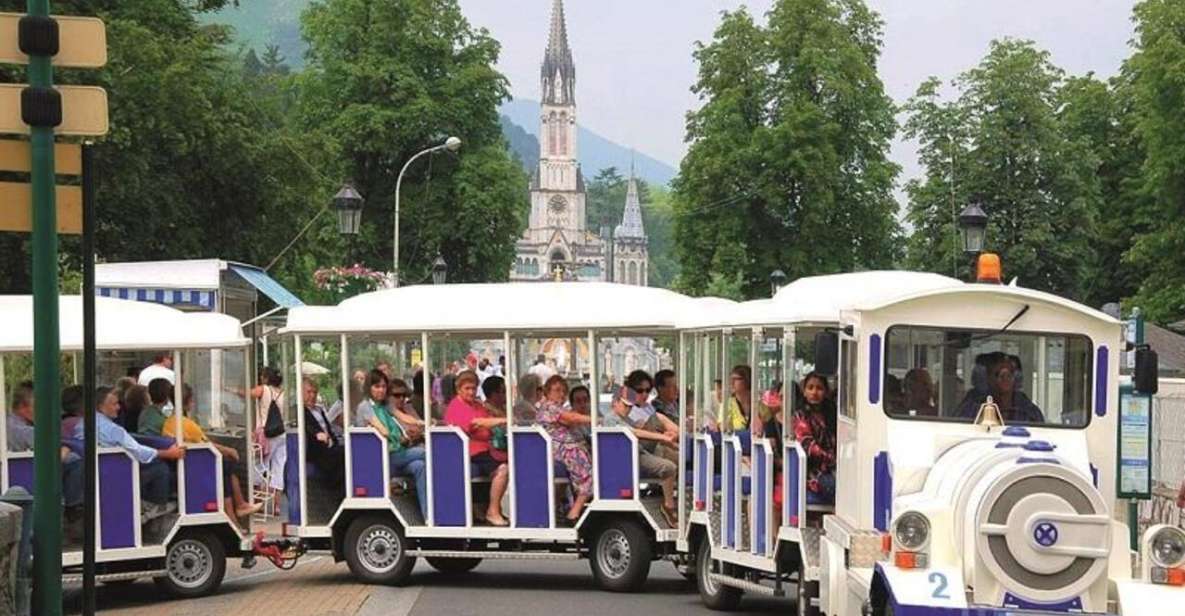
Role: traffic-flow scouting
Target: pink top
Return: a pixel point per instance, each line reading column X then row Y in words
column 461, row 415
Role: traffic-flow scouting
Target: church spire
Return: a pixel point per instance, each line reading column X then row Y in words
column 631, row 218
column 559, row 71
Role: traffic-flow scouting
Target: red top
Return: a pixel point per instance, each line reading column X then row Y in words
column 461, row 415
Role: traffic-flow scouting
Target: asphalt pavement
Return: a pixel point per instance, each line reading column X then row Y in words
column 495, row 588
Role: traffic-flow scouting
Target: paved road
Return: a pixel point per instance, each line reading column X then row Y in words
column 318, row 586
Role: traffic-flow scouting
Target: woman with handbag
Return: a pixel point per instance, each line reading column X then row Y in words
column 270, row 431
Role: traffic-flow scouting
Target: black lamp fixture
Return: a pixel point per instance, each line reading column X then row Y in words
column 777, row 279
column 348, row 204
column 439, row 270
column 973, row 223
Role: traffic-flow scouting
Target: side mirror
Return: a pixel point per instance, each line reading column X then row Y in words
column 827, row 353
column 1147, row 374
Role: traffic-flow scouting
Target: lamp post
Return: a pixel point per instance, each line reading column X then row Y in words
column 348, row 205
column 777, row 278
column 973, row 223
column 452, row 144
column 439, row 270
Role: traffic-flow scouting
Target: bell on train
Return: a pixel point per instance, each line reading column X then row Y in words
column 989, row 415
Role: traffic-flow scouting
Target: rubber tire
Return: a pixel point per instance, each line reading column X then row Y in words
column 217, row 563
column 453, row 566
column 726, row 598
column 811, row 590
column 641, row 547
column 398, row 573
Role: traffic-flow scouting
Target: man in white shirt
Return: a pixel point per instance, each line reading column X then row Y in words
column 161, row 368
column 541, row 369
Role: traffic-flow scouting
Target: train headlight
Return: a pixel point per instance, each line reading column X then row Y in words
column 911, row 530
column 1167, row 547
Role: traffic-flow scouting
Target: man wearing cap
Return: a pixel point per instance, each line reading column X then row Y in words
column 657, row 441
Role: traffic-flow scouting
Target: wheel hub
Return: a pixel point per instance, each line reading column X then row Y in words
column 379, row 549
column 614, row 553
column 189, row 563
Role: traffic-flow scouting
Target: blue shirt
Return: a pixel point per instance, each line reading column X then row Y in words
column 20, row 433
column 111, row 434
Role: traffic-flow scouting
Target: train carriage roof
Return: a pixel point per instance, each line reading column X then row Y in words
column 120, row 325
column 496, row 307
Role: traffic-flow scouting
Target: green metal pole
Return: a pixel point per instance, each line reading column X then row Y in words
column 47, row 482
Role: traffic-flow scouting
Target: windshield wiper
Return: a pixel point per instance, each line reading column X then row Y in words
column 1010, row 323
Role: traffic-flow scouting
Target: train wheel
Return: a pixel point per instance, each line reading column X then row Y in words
column 621, row 556
column 376, row 551
column 194, row 566
column 454, row 565
column 806, row 591
column 714, row 594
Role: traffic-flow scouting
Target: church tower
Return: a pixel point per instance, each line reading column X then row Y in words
column 558, row 202
column 630, row 254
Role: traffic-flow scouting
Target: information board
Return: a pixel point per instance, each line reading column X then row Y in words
column 1135, row 444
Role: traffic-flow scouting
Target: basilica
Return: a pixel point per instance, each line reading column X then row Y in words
column 558, row 245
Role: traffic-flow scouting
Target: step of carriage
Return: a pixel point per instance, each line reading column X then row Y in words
column 746, row 585
column 116, row 577
column 495, row 555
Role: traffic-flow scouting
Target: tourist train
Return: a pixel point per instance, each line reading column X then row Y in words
column 871, row 443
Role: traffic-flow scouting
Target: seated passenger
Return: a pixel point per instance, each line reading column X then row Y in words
column 135, row 400
column 156, row 480
column 1014, row 405
column 323, row 440
column 580, row 401
column 466, row 412
column 655, row 433
column 666, row 390
column 530, row 390
column 493, row 390
column 404, row 459
column 814, row 429
column 72, row 403
column 567, row 444
column 894, row 395
column 919, row 393
column 406, row 414
column 20, row 438
column 737, row 414
column 193, row 433
column 152, row 418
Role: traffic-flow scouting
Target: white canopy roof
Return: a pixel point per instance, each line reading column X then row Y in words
column 182, row 274
column 120, row 325
column 515, row 306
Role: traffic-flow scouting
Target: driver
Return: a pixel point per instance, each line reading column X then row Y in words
column 1003, row 370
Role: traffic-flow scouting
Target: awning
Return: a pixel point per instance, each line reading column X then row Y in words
column 203, row 299
column 267, row 285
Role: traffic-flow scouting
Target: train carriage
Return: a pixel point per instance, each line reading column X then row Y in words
column 946, row 500
column 185, row 549
column 599, row 331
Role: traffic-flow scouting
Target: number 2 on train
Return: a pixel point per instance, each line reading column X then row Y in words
column 940, row 584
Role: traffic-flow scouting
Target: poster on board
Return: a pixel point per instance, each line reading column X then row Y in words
column 1135, row 444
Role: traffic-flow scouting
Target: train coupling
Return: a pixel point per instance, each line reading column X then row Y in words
column 283, row 552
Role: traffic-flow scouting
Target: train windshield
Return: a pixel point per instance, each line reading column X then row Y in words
column 948, row 374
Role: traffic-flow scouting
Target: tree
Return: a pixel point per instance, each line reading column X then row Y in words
column 1159, row 97
column 386, row 79
column 605, row 203
column 788, row 164
column 1011, row 155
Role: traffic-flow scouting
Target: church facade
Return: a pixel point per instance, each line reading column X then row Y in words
column 558, row 245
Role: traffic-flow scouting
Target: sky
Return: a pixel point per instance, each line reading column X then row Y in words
column 634, row 66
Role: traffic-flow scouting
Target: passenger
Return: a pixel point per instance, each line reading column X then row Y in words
column 1014, row 405
column 400, row 405
column 666, row 389
column 161, row 368
column 121, row 390
column 814, row 429
column 737, row 412
column 324, row 441
column 135, row 400
column 919, row 393
column 530, row 390
column 580, row 401
column 156, row 480
column 541, row 370
column 894, row 394
column 467, row 413
column 357, row 385
column 405, row 459
column 664, row 439
column 493, row 391
column 417, row 394
column 275, row 448
column 21, row 438
column 568, row 446
column 152, row 419
column 193, row 433
column 72, row 403
column 630, row 410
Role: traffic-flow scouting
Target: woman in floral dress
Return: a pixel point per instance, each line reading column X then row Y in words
column 568, row 446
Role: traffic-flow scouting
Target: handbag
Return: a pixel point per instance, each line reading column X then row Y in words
column 274, row 426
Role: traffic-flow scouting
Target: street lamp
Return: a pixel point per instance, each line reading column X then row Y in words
column 348, row 204
column 439, row 270
column 973, row 223
column 777, row 278
column 452, row 144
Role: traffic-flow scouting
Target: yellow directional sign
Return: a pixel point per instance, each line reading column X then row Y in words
column 82, row 41
column 16, row 208
column 84, row 110
column 15, row 157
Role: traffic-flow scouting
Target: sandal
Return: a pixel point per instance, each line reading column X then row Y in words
column 501, row 522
